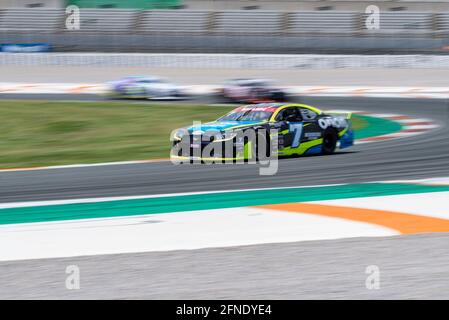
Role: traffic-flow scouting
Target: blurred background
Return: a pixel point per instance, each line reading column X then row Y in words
column 62, row 103
column 229, row 26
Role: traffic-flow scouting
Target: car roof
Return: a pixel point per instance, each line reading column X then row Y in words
column 264, row 105
column 250, row 80
column 142, row 78
column 276, row 105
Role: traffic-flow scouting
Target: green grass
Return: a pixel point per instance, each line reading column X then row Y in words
column 40, row 133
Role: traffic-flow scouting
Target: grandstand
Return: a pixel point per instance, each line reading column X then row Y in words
column 227, row 5
column 170, row 21
column 31, row 20
column 128, row 4
column 246, row 22
column 319, row 5
column 104, row 4
column 319, row 22
column 108, row 20
column 136, row 29
column 231, row 22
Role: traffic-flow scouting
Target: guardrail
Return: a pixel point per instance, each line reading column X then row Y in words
column 226, row 61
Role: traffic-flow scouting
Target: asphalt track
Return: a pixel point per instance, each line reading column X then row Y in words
column 411, row 266
column 423, row 156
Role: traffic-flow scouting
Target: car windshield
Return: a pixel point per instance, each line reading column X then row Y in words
column 254, row 84
column 248, row 115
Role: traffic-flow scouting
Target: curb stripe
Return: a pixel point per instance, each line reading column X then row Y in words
column 402, row 222
column 410, row 126
column 348, row 91
column 219, row 200
column 414, row 130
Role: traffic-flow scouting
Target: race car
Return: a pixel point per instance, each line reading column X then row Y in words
column 258, row 131
column 144, row 87
column 252, row 91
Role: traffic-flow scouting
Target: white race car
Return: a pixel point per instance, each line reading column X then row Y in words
column 252, row 90
column 145, row 87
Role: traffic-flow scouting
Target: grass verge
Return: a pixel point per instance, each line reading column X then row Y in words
column 41, row 133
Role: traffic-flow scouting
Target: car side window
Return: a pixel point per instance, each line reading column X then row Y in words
column 308, row 114
column 292, row 114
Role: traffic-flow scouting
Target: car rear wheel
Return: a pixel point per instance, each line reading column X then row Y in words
column 330, row 139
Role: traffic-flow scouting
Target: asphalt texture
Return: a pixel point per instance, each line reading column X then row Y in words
column 411, row 267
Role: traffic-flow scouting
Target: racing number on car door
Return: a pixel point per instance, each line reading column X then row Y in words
column 291, row 121
column 295, row 126
column 295, row 129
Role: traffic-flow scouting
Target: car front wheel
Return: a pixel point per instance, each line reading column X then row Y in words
column 330, row 138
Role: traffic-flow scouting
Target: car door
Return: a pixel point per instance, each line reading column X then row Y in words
column 291, row 127
column 146, row 88
column 312, row 130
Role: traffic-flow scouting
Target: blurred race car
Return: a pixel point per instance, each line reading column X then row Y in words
column 253, row 130
column 252, row 90
column 143, row 87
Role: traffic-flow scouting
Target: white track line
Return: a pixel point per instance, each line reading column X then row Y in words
column 175, row 231
column 107, row 199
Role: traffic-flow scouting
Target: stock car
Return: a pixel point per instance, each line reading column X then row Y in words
column 144, row 87
column 251, row 91
column 258, row 131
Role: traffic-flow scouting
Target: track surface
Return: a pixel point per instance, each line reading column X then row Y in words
column 411, row 267
column 423, row 156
